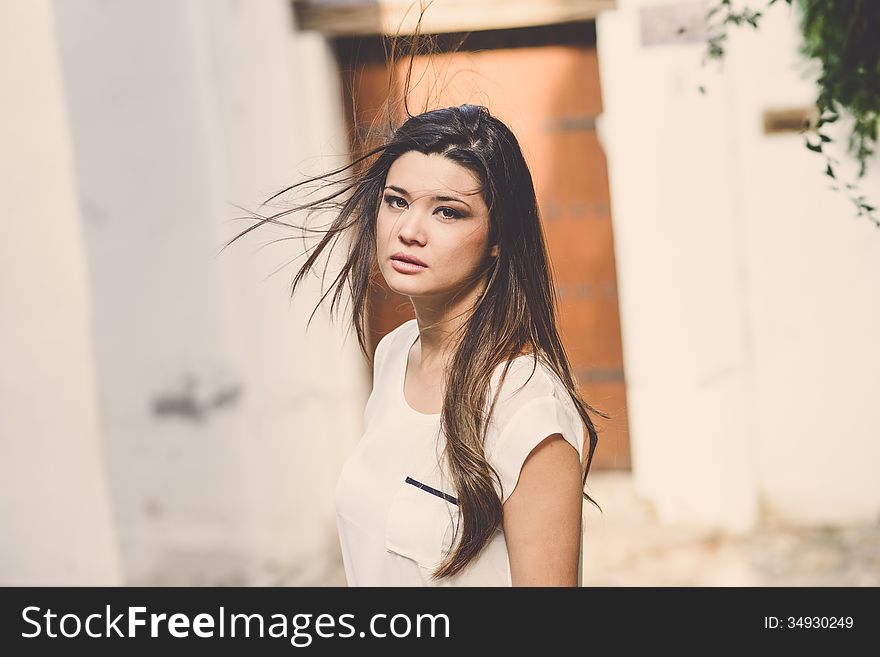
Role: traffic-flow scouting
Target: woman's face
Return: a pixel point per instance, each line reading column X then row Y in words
column 431, row 210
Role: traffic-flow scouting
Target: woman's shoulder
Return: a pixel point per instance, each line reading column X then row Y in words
column 388, row 345
column 529, row 382
column 532, row 404
column 527, row 377
column 389, row 339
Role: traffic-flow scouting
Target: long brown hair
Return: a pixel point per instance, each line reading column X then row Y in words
column 515, row 315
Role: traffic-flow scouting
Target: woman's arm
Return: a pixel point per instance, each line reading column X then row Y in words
column 542, row 517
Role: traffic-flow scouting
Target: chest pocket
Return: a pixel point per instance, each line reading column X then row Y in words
column 420, row 522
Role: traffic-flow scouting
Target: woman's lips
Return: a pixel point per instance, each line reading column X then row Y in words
column 405, row 267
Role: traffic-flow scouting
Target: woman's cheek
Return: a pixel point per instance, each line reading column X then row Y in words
column 472, row 251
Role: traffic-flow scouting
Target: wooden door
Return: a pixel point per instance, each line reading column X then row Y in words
column 544, row 83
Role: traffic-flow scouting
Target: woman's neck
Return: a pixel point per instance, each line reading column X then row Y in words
column 441, row 323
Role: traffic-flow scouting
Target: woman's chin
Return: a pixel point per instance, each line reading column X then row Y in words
column 406, row 290
column 410, row 289
column 404, row 283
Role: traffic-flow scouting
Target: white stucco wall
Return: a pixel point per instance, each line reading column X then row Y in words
column 226, row 422
column 55, row 510
column 748, row 290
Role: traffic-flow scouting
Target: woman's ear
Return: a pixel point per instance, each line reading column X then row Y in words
column 493, row 252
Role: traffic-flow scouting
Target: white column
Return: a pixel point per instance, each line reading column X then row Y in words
column 55, row 512
column 229, row 421
column 679, row 240
column 748, row 288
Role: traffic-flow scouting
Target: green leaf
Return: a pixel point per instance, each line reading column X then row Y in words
column 824, row 138
column 830, row 172
column 816, row 149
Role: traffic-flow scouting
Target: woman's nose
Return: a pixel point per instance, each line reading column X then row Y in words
column 411, row 224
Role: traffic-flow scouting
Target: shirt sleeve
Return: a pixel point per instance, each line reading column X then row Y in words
column 531, row 406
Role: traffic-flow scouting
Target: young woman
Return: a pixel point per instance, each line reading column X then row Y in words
column 472, row 465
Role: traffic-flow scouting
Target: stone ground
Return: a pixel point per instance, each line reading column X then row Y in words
column 627, row 546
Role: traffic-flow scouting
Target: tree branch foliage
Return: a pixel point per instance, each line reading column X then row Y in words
column 843, row 38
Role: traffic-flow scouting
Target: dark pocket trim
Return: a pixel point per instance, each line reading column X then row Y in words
column 433, row 491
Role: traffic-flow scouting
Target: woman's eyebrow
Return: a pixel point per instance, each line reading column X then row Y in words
column 401, row 190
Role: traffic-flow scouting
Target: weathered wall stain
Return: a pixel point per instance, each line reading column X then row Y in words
column 193, row 402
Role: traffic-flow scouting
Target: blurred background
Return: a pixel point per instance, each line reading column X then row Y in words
column 168, row 418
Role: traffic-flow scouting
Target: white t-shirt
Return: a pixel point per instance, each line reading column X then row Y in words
column 395, row 508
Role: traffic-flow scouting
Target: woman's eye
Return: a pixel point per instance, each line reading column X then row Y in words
column 392, row 200
column 454, row 214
